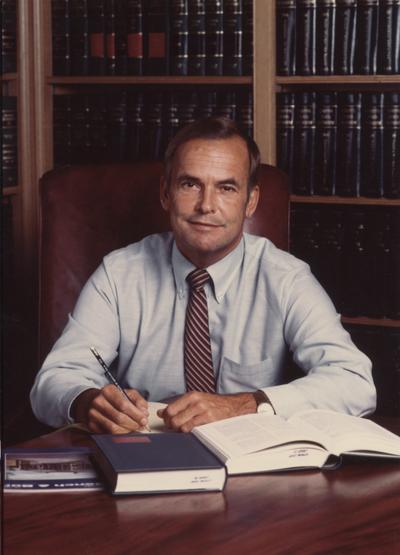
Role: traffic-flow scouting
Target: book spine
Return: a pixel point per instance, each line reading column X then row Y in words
column 226, row 104
column 110, row 38
column 117, row 124
column 233, row 36
column 214, row 37
column 79, row 24
column 379, row 253
column 305, row 37
column 345, row 39
column 389, row 373
column 62, row 130
column 135, row 131
column 98, row 128
column 179, row 40
column 154, row 125
column 326, row 139
column 330, row 255
column 393, row 304
column 171, row 120
column 391, row 145
column 80, row 129
column 355, row 263
column 325, row 36
column 121, row 37
column 367, row 37
column 304, row 154
column 244, row 111
column 8, row 25
column 247, row 37
column 348, row 144
column 389, row 37
column 286, row 37
column 188, row 108
column 304, row 238
column 285, row 115
column 371, row 184
column 197, row 37
column 9, row 142
column 207, row 103
column 135, row 40
column 97, row 35
column 60, row 22
column 156, row 37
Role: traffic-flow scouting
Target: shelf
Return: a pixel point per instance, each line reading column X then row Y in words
column 339, row 80
column 364, row 321
column 7, row 77
column 151, row 80
column 9, row 191
column 318, row 199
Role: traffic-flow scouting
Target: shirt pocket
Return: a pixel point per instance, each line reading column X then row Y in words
column 235, row 377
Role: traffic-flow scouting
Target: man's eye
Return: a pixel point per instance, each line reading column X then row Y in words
column 228, row 188
column 188, row 184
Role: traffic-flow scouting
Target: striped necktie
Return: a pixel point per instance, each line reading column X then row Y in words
column 199, row 372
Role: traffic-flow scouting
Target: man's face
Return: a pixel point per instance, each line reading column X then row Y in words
column 208, row 198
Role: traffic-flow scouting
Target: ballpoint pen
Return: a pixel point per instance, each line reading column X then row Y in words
column 112, row 378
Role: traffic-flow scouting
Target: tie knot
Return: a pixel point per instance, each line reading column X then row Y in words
column 198, row 278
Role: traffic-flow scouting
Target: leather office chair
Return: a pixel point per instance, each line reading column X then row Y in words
column 87, row 211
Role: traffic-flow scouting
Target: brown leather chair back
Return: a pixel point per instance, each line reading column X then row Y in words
column 88, row 211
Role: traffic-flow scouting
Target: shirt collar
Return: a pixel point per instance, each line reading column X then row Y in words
column 222, row 272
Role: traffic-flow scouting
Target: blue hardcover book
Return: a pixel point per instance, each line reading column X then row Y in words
column 153, row 463
column 55, row 469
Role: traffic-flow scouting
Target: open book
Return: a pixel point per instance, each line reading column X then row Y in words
column 311, row 439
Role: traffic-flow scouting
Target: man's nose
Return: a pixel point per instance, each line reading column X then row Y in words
column 207, row 200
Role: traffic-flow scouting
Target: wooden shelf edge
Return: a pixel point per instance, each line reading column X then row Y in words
column 318, row 199
column 339, row 80
column 364, row 321
column 151, row 80
column 9, row 191
column 6, row 77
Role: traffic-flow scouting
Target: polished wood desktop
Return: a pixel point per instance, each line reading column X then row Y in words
column 354, row 509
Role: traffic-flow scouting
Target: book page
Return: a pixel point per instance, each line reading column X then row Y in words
column 346, row 433
column 250, row 433
column 156, row 424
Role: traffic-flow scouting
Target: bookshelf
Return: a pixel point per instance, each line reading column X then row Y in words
column 36, row 18
column 324, row 83
column 36, row 87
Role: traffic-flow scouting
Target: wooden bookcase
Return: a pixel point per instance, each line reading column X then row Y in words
column 23, row 195
column 38, row 86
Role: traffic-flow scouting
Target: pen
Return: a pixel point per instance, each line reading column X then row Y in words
column 111, row 377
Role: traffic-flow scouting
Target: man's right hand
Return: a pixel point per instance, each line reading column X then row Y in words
column 108, row 411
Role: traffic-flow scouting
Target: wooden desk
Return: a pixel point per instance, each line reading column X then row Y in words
column 355, row 509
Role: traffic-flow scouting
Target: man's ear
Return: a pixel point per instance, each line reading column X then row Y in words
column 253, row 201
column 164, row 193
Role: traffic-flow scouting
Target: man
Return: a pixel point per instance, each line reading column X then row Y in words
column 138, row 311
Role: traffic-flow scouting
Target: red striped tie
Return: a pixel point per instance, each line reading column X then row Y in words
column 199, row 372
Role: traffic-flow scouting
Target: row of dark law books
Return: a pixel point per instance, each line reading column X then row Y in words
column 344, row 37
column 382, row 346
column 152, row 37
column 137, row 124
column 8, row 36
column 344, row 143
column 9, row 142
column 354, row 251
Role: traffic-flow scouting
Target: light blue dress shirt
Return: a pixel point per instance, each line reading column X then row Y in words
column 262, row 301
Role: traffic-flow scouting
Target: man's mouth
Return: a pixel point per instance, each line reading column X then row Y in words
column 204, row 224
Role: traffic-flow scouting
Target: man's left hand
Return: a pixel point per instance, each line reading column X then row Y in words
column 196, row 408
